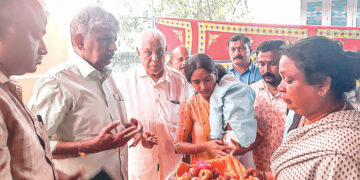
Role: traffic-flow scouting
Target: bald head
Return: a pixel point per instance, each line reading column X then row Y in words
column 178, row 58
column 22, row 25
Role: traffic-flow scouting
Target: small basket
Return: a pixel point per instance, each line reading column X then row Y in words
column 227, row 164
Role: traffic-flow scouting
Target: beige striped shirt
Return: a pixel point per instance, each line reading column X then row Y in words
column 24, row 145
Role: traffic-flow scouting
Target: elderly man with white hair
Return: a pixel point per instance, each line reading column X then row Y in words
column 152, row 95
column 81, row 105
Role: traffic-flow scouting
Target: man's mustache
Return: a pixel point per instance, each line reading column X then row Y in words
column 268, row 75
column 238, row 57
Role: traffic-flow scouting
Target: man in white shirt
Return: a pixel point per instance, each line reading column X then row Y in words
column 152, row 95
column 81, row 105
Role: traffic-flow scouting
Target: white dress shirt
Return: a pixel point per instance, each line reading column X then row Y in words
column 155, row 104
column 76, row 102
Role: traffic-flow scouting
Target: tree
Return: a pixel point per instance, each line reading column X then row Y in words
column 215, row 10
column 137, row 15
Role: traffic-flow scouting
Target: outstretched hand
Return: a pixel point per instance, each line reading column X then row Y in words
column 149, row 139
column 107, row 140
column 139, row 130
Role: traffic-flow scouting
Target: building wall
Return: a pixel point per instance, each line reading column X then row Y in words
column 57, row 53
column 326, row 11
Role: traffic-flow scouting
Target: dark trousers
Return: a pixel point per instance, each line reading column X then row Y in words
column 102, row 175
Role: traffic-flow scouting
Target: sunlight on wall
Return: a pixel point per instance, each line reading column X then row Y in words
column 275, row 11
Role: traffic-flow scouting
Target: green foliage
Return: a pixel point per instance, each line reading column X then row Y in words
column 123, row 61
column 137, row 15
column 215, row 10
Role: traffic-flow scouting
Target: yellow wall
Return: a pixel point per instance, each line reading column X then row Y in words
column 57, row 52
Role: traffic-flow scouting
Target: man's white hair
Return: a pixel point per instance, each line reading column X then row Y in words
column 155, row 34
column 90, row 18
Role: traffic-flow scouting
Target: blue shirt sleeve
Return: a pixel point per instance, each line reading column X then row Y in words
column 232, row 103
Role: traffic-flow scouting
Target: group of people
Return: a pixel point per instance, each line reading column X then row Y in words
column 284, row 117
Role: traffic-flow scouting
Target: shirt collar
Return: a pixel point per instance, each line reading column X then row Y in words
column 231, row 67
column 3, row 77
column 142, row 73
column 264, row 87
column 251, row 68
column 14, row 86
column 87, row 70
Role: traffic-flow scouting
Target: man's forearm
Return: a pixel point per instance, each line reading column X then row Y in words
column 64, row 149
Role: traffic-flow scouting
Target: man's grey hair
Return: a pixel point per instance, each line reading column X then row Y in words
column 155, row 34
column 89, row 19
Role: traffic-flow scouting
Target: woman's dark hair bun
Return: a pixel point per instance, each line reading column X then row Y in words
column 319, row 56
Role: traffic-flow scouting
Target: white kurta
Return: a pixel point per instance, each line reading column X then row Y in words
column 153, row 104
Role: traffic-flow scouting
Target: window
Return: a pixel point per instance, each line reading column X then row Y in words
column 314, row 13
column 358, row 14
column 339, row 13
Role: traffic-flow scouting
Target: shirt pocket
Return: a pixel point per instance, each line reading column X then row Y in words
column 173, row 109
column 117, row 109
column 41, row 132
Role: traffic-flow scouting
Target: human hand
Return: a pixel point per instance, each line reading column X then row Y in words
column 136, row 123
column 149, row 139
column 254, row 173
column 77, row 176
column 237, row 149
column 107, row 140
column 139, row 128
column 217, row 148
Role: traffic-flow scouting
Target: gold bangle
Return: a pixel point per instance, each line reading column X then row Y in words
column 196, row 149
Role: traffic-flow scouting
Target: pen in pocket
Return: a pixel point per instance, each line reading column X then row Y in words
column 175, row 102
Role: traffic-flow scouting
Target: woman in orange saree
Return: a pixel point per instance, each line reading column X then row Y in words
column 193, row 129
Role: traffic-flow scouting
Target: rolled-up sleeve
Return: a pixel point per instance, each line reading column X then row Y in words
column 52, row 101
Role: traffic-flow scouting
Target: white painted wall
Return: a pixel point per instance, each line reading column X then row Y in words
column 326, row 8
column 275, row 11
